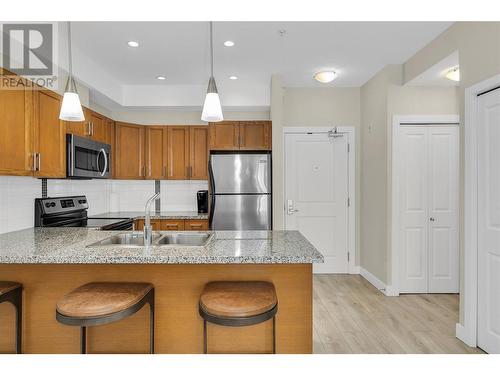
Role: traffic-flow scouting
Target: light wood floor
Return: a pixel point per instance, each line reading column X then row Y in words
column 352, row 316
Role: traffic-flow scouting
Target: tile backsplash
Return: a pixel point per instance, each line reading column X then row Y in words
column 17, row 196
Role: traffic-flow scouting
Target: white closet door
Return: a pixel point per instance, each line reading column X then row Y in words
column 316, row 191
column 413, row 236
column 488, row 192
column 428, row 204
column 443, row 183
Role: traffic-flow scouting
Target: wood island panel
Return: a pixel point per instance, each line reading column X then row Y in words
column 179, row 329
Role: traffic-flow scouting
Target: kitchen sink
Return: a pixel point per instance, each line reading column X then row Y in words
column 125, row 239
column 186, row 239
column 135, row 239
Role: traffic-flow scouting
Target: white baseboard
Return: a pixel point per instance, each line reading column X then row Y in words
column 376, row 282
column 461, row 334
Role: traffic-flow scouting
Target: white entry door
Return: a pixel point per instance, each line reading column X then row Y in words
column 316, row 192
column 488, row 192
column 428, row 176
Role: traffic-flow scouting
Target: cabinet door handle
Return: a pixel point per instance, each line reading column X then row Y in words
column 91, row 129
column 195, row 225
column 34, row 162
column 39, row 161
column 164, row 171
column 187, row 172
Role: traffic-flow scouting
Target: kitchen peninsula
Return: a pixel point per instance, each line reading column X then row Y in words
column 50, row 262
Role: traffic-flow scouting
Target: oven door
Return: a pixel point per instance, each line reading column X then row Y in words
column 87, row 158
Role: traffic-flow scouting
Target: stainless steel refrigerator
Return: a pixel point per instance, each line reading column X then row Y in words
column 240, row 191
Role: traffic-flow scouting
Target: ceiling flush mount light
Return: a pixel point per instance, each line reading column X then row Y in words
column 233, row 78
column 71, row 108
column 161, row 78
column 325, row 76
column 453, row 74
column 133, row 43
column 212, row 111
column 229, row 43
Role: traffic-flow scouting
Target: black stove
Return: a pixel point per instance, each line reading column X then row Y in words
column 72, row 212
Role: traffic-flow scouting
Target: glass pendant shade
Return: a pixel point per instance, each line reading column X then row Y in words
column 212, row 110
column 71, row 108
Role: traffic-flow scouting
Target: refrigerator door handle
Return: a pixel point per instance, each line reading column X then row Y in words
column 212, row 210
column 212, row 192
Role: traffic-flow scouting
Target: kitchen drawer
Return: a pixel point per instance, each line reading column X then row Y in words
column 172, row 224
column 196, row 225
column 155, row 223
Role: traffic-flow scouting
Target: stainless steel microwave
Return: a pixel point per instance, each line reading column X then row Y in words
column 87, row 158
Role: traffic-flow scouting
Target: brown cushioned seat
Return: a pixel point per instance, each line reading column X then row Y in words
column 238, row 299
column 100, row 299
column 7, row 286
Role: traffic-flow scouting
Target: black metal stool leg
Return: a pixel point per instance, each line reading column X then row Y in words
column 274, row 334
column 19, row 319
column 83, row 342
column 205, row 343
column 152, row 322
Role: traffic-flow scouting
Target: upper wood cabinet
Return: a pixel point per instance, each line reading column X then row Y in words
column 178, row 153
column 98, row 128
column 49, row 135
column 80, row 128
column 16, row 156
column 255, row 135
column 198, row 152
column 156, row 152
column 224, row 135
column 129, row 151
column 240, row 135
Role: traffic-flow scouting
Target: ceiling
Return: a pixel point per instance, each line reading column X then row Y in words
column 121, row 76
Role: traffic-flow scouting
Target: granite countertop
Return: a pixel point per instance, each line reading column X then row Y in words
column 154, row 215
column 70, row 246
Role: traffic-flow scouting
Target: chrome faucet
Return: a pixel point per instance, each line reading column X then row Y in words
column 148, row 230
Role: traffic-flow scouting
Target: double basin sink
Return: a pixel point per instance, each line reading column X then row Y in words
column 134, row 239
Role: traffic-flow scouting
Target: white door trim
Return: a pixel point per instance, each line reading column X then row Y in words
column 351, row 211
column 467, row 332
column 397, row 122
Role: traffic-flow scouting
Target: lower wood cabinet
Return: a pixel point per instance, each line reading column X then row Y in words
column 196, row 225
column 173, row 224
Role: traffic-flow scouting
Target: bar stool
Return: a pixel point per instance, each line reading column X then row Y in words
column 105, row 302
column 13, row 292
column 238, row 304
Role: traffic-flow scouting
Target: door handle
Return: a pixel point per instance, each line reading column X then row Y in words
column 432, row 219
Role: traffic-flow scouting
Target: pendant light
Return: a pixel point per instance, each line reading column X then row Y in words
column 71, row 108
column 212, row 111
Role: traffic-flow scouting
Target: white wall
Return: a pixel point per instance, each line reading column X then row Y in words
column 17, row 196
column 310, row 107
column 382, row 97
column 162, row 117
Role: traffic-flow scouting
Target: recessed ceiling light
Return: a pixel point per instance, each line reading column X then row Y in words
column 161, row 78
column 229, row 43
column 133, row 43
column 325, row 76
column 453, row 74
column 233, row 77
